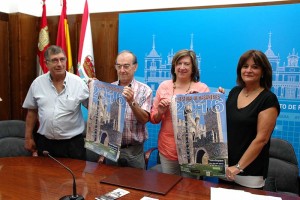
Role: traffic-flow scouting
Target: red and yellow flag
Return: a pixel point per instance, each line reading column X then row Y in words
column 63, row 36
column 43, row 43
column 85, row 62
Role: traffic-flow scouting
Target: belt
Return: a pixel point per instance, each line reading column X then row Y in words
column 74, row 137
column 124, row 146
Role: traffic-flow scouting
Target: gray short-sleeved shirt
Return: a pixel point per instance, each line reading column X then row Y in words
column 59, row 114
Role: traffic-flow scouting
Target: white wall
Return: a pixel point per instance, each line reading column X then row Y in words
column 34, row 7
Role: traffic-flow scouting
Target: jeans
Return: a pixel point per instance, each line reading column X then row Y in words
column 169, row 166
column 132, row 156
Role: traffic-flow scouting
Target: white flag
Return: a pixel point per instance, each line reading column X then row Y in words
column 85, row 67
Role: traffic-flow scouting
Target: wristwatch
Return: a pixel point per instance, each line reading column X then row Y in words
column 132, row 103
column 239, row 168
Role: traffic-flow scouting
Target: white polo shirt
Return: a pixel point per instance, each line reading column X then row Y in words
column 59, row 115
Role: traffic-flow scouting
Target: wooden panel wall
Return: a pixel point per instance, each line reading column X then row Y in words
column 23, row 47
column 105, row 38
column 4, row 69
column 19, row 53
column 105, row 41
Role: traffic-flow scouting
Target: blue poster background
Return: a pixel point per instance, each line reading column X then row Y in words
column 219, row 36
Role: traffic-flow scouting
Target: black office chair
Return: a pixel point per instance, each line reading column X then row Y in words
column 283, row 174
column 12, row 133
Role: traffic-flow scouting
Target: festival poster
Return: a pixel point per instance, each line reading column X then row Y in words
column 105, row 122
column 199, row 123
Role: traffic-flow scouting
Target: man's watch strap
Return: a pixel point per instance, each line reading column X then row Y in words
column 132, row 104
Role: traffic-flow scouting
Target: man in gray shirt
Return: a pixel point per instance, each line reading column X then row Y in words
column 54, row 101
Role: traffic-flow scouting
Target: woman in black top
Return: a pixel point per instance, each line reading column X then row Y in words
column 252, row 110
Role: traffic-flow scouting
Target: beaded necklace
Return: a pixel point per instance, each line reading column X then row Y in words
column 174, row 86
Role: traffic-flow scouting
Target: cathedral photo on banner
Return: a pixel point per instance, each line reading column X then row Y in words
column 219, row 36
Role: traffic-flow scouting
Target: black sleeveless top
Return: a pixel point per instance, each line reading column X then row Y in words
column 242, row 129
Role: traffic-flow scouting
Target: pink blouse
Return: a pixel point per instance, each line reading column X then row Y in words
column 166, row 140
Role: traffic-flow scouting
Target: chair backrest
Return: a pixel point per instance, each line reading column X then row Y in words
column 157, row 165
column 283, row 166
column 12, row 141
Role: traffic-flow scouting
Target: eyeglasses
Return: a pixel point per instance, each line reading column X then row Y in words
column 125, row 66
column 55, row 61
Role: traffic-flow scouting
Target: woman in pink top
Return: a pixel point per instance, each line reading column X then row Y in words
column 185, row 79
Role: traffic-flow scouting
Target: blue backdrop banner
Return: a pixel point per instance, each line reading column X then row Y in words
column 219, row 36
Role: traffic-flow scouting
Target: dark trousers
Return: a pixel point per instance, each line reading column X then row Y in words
column 69, row 148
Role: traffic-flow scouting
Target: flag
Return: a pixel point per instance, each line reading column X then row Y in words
column 43, row 43
column 85, row 60
column 63, row 36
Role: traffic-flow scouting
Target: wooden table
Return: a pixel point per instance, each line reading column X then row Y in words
column 41, row 178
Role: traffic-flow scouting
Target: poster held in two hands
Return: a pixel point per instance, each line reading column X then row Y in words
column 199, row 123
column 106, row 116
